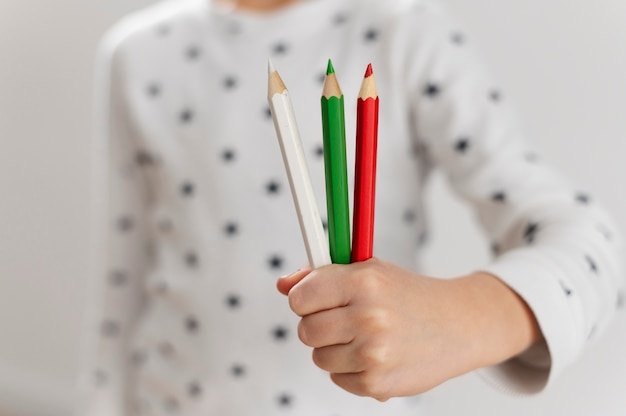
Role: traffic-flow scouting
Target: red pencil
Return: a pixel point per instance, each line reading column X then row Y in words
column 365, row 169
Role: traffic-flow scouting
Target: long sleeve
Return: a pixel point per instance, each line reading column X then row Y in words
column 552, row 243
column 121, row 245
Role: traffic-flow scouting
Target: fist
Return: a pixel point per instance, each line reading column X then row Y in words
column 379, row 330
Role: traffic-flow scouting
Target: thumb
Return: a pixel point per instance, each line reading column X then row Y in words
column 285, row 283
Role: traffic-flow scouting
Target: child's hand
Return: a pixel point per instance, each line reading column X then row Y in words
column 383, row 331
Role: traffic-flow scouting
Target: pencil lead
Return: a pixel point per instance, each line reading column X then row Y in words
column 270, row 66
column 369, row 71
column 330, row 69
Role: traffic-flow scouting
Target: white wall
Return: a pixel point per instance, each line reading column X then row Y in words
column 46, row 59
column 563, row 62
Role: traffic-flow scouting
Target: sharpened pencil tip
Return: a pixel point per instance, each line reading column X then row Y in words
column 330, row 69
column 369, row 71
column 270, row 66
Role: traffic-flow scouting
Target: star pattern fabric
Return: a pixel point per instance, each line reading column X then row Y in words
column 198, row 221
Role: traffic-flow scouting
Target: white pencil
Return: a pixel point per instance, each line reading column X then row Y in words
column 297, row 171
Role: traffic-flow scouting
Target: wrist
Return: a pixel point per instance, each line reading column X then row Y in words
column 499, row 324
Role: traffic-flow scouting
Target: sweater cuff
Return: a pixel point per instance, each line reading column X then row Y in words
column 535, row 279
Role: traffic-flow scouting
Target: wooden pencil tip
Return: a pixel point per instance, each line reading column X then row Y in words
column 369, row 71
column 330, row 69
column 270, row 66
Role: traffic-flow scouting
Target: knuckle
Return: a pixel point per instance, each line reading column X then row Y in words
column 374, row 355
column 303, row 332
column 295, row 301
column 377, row 319
column 319, row 359
column 371, row 282
column 372, row 384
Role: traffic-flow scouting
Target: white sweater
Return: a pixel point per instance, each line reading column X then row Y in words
column 198, row 220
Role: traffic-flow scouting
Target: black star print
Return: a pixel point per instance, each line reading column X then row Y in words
column 275, row 262
column 143, row 158
column 280, row 48
column 325, row 225
column 371, row 35
column 320, row 78
column 166, row 225
column 498, row 196
column 340, row 19
column 118, row 278
column 583, row 199
column 194, row 389
column 495, row 249
column 228, row 155
column 457, row 38
column 100, row 377
column 230, row 83
column 272, row 187
column 285, row 400
column 422, row 239
column 110, row 328
column 193, row 53
column 171, row 404
column 592, row 264
column 531, row 232
column 280, row 333
column 267, row 113
column 409, row 216
column 186, row 116
column 568, row 291
column 420, row 149
column 432, row 90
column 163, row 30
column 233, row 301
column 231, row 229
column 150, row 249
column 191, row 259
column 531, row 157
column 605, row 232
column 138, row 357
column 166, row 349
column 319, row 151
column 592, row 332
column 495, row 96
column 125, row 223
column 161, row 288
column 238, row 370
column 234, row 28
column 192, row 324
column 462, row 145
column 154, row 90
column 187, row 188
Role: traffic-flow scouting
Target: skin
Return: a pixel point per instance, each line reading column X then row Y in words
column 383, row 331
column 262, row 6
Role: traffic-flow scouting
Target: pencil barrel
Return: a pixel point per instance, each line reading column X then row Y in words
column 299, row 180
column 365, row 179
column 335, row 165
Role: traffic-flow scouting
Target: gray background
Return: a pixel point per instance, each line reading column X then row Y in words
column 562, row 62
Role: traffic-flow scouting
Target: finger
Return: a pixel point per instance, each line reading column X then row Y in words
column 337, row 359
column 325, row 288
column 362, row 383
column 285, row 283
column 330, row 327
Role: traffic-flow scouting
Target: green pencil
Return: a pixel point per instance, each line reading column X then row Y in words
column 336, row 169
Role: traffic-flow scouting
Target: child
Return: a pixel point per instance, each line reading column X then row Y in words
column 199, row 221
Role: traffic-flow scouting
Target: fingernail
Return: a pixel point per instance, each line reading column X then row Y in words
column 289, row 274
column 305, row 266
